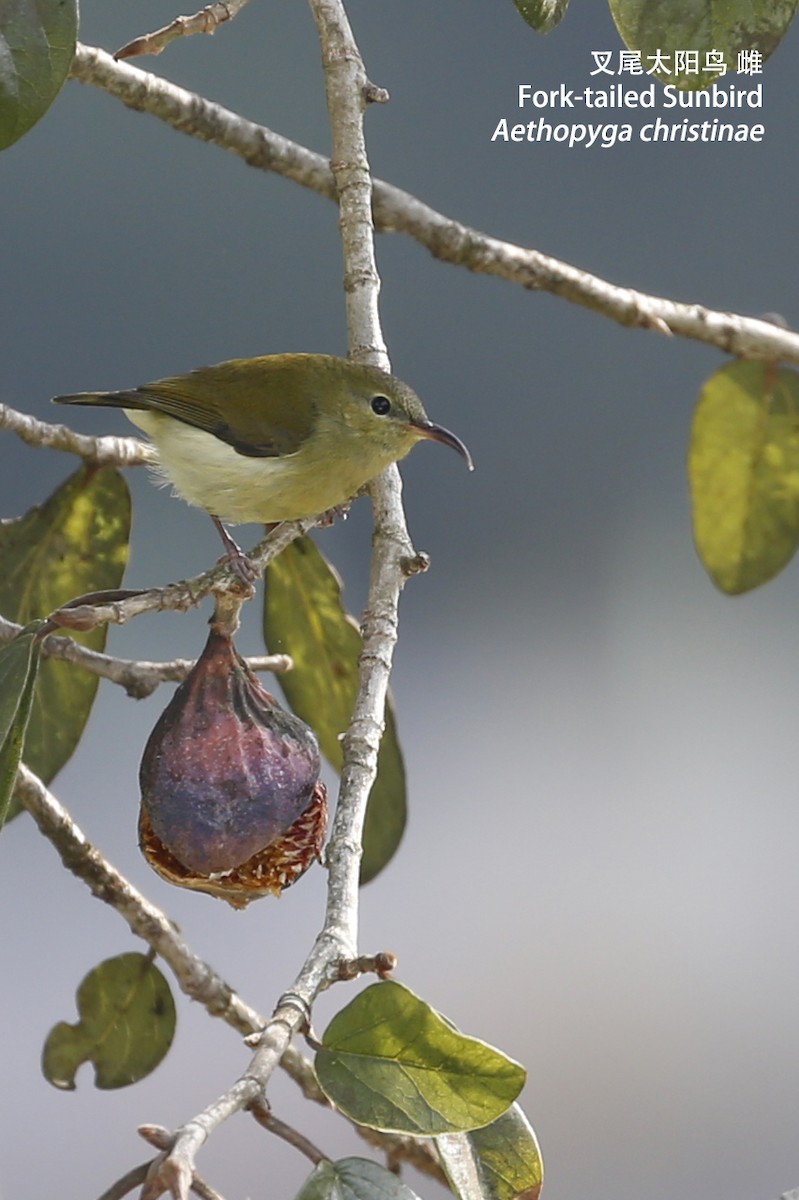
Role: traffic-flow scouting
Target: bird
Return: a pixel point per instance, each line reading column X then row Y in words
column 277, row 437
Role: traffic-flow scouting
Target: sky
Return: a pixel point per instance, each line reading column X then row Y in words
column 598, row 874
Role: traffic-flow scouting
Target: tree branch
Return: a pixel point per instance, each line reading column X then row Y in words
column 102, row 451
column 195, row 977
column 348, row 91
column 396, row 211
column 207, row 20
column 136, row 1176
column 123, row 1186
column 159, row 1137
column 178, row 597
column 138, row 677
column 267, row 1120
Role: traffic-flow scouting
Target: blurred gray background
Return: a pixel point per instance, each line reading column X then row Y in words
column 599, row 873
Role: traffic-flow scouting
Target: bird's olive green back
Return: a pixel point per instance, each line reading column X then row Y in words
column 263, row 407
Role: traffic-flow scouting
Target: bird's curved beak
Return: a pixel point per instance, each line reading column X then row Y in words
column 437, row 433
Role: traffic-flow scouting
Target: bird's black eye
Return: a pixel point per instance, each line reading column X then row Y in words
column 381, row 405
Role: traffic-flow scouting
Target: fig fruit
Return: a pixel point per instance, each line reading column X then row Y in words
column 231, row 802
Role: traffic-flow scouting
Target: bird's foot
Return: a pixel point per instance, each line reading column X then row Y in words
column 243, row 566
column 341, row 511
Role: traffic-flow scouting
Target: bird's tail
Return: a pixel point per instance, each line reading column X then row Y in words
column 102, row 399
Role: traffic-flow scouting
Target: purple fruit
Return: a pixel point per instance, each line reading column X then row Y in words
column 227, row 774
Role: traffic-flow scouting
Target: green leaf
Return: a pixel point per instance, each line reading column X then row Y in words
column 702, row 25
column 354, row 1179
column 37, row 45
column 543, row 15
column 126, row 1027
column 304, row 617
column 19, row 662
column 386, row 812
column 743, row 467
column 501, row 1161
column 76, row 542
column 390, row 1061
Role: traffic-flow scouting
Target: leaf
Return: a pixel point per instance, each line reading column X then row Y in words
column 702, row 25
column 126, row 1027
column 353, row 1179
column 304, row 617
column 501, row 1161
column 743, row 467
column 390, row 1061
column 387, row 810
column 19, row 662
column 37, row 45
column 76, row 542
column 543, row 15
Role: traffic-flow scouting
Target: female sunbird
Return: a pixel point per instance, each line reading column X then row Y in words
column 275, row 438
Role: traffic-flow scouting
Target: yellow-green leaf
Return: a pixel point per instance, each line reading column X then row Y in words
column 704, row 26
column 19, row 662
column 390, row 1061
column 743, row 467
column 76, row 542
column 501, row 1161
column 304, row 617
column 542, row 15
column 127, row 1022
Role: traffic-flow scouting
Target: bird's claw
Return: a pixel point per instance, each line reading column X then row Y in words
column 239, row 562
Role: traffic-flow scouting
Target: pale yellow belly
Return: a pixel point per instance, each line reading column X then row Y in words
column 208, row 473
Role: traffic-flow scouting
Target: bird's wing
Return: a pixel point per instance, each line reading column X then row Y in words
column 241, row 402
column 238, row 403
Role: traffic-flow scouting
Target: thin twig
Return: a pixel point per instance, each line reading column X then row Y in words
column 396, row 211
column 179, row 597
column 267, row 1120
column 123, row 1186
column 206, row 20
column 138, row 677
column 380, row 964
column 102, row 451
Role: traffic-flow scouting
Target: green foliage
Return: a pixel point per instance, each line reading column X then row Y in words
column 19, row 663
column 126, row 1027
column 543, row 15
column 501, row 1161
column 304, row 617
column 390, row 1061
column 702, row 25
column 726, row 26
column 37, row 45
column 75, row 542
column 743, row 468
column 353, row 1179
